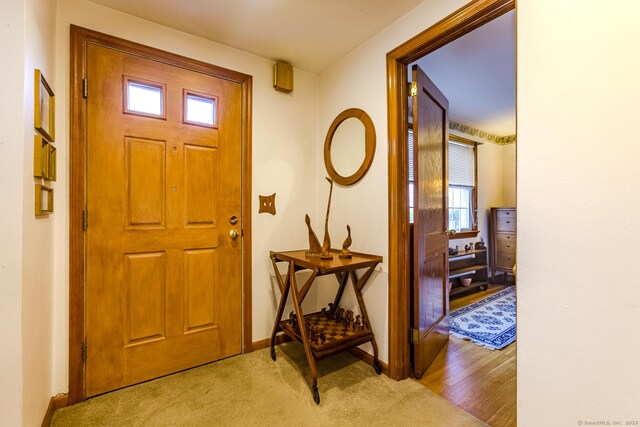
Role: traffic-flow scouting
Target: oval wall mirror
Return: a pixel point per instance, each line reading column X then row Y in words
column 349, row 146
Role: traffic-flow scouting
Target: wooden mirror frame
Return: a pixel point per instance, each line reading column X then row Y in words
column 370, row 146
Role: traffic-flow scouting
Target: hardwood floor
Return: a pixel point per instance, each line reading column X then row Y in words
column 478, row 380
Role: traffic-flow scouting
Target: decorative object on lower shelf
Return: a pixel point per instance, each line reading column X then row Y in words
column 480, row 244
column 293, row 321
column 468, row 270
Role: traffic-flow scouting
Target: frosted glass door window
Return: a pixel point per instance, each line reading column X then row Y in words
column 200, row 110
column 144, row 99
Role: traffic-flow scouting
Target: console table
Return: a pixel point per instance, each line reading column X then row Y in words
column 337, row 335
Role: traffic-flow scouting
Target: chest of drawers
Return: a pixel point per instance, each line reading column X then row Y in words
column 502, row 243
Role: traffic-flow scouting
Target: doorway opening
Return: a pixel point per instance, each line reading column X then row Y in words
column 399, row 61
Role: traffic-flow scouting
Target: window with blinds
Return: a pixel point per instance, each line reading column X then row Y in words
column 462, row 176
column 461, row 184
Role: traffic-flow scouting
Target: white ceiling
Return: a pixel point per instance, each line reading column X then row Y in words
column 477, row 74
column 309, row 34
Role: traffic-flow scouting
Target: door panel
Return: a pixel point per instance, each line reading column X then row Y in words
column 430, row 260
column 201, row 170
column 201, row 282
column 145, row 182
column 163, row 278
column 144, row 288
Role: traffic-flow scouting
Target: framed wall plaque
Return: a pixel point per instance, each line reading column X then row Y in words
column 44, row 107
column 44, row 200
column 44, row 159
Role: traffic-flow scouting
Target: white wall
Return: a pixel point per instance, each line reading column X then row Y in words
column 509, row 174
column 578, row 175
column 38, row 233
column 284, row 144
column 12, row 30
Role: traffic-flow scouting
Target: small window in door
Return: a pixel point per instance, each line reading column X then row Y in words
column 144, row 98
column 200, row 110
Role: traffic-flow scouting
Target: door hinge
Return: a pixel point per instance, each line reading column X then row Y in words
column 84, row 352
column 413, row 89
column 414, row 336
column 85, row 220
column 85, row 87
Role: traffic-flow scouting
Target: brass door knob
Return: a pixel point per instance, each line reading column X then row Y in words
column 449, row 232
column 234, row 234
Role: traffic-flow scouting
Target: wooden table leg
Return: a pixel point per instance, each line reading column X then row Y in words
column 358, row 284
column 303, row 333
column 284, row 287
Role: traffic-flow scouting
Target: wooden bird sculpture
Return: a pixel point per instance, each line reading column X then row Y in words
column 314, row 243
column 345, row 252
column 326, row 243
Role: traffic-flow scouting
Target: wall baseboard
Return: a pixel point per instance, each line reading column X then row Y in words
column 259, row 345
column 368, row 359
column 56, row 402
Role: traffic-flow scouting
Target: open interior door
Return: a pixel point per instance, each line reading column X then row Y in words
column 430, row 223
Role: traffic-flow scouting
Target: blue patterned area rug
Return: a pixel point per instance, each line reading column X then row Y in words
column 490, row 322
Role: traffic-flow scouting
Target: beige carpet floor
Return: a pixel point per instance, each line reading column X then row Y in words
column 252, row 390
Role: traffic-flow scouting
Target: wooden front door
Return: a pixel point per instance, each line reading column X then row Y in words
column 163, row 179
column 430, row 223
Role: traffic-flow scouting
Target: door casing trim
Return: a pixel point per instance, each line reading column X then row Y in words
column 462, row 21
column 80, row 37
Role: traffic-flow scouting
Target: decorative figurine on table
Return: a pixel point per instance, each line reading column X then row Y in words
column 314, row 243
column 480, row 244
column 468, row 247
column 315, row 249
column 326, row 243
column 453, row 251
column 345, row 252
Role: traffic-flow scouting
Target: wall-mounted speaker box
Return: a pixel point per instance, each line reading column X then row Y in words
column 283, row 77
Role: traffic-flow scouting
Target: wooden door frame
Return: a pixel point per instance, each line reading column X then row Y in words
column 80, row 38
column 459, row 23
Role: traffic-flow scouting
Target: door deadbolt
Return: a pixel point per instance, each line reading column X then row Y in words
column 233, row 220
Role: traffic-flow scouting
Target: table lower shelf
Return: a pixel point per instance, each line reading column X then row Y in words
column 338, row 337
column 462, row 289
